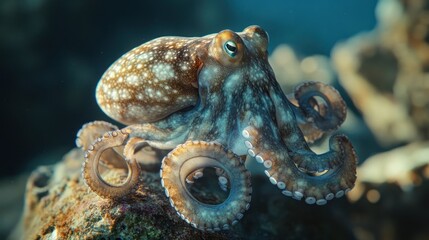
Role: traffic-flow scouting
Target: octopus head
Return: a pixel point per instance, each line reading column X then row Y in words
column 231, row 57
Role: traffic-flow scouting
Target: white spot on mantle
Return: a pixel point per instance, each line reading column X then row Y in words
column 163, row 71
column 133, row 79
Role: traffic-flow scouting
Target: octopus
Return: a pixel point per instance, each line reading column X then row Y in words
column 214, row 102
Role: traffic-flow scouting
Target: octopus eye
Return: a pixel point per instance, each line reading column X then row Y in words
column 230, row 48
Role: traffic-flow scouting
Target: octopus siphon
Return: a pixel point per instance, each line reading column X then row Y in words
column 214, row 102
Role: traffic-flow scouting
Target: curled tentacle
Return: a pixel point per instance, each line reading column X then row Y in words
column 319, row 108
column 298, row 150
column 93, row 130
column 91, row 173
column 299, row 184
column 192, row 155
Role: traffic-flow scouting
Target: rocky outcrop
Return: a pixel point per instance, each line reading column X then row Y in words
column 59, row 206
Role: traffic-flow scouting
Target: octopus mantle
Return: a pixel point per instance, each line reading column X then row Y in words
column 213, row 102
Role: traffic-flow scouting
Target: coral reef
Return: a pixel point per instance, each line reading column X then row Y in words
column 385, row 73
column 395, row 166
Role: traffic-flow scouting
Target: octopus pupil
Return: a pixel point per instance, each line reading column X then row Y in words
column 231, row 48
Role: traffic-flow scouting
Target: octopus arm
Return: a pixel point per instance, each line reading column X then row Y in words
column 294, row 140
column 165, row 134
column 319, row 108
column 90, row 132
column 191, row 156
column 297, row 182
column 90, row 170
column 160, row 135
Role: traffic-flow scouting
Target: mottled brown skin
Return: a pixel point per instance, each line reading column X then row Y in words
column 151, row 81
column 225, row 106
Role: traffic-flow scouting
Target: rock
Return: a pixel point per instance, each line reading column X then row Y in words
column 59, row 206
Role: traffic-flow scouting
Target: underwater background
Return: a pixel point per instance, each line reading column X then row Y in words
column 53, row 53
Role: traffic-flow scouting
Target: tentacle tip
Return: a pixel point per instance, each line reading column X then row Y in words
column 92, row 176
column 341, row 143
column 322, row 105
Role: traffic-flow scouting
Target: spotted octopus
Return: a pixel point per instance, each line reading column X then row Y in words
column 214, row 102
